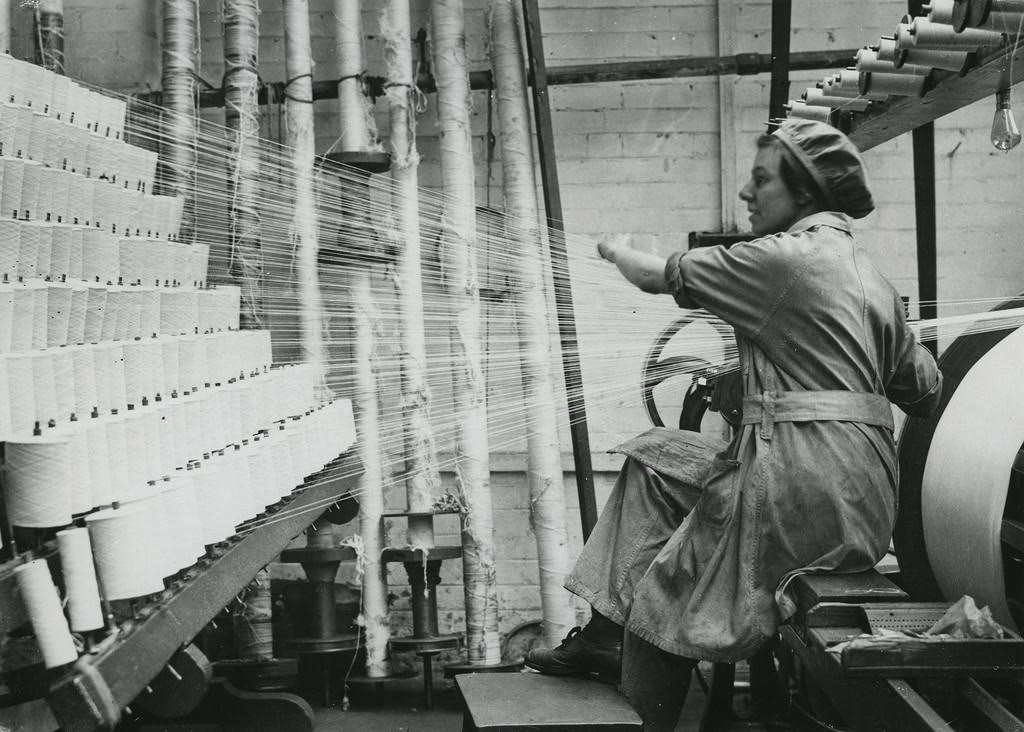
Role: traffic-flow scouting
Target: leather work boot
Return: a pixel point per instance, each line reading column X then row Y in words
column 578, row 656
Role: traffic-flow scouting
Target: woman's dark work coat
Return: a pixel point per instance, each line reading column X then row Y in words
column 809, row 482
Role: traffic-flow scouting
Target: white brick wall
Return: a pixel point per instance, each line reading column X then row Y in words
column 636, row 157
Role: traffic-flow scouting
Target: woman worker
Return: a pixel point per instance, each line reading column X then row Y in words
column 676, row 572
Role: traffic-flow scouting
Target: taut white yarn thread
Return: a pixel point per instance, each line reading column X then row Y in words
column 80, row 583
column 39, row 474
column 44, row 611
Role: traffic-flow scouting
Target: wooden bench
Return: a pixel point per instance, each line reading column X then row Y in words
column 532, row 701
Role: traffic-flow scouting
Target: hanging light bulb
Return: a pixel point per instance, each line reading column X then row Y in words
column 1005, row 135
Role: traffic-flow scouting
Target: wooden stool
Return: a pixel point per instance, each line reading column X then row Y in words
column 532, row 701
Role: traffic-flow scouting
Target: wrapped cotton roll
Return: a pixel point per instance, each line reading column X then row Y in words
column 242, row 478
column 61, row 98
column 120, row 540
column 112, row 313
column 816, row 98
column 39, row 89
column 193, row 415
column 76, row 316
column 44, row 211
column 191, row 368
column 148, row 420
column 84, row 368
column 108, row 359
column 10, row 193
column 28, row 251
column 166, row 436
column 129, row 321
column 184, row 443
column 135, row 461
column 80, row 482
column 60, row 197
column 38, row 485
column 95, row 311
column 44, row 387
column 7, row 291
column 99, row 257
column 76, row 263
column 939, row 58
column 43, row 235
column 261, row 473
column 42, row 603
column 21, row 117
column 169, row 354
column 80, row 205
column 180, row 493
column 10, row 246
column 137, row 373
column 58, row 314
column 20, row 394
column 7, row 127
column 80, row 582
column 213, row 500
column 116, row 443
column 64, row 382
column 132, row 261
column 149, row 311
column 99, row 465
column 60, row 252
column 285, row 474
column 28, row 206
column 895, row 84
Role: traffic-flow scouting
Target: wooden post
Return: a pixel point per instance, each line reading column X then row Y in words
column 727, row 162
column 178, row 83
column 469, row 389
column 49, row 35
column 241, row 113
column 421, row 476
column 547, row 489
column 5, row 26
column 301, row 138
column 356, row 137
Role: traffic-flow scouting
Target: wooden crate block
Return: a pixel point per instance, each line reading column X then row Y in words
column 532, row 701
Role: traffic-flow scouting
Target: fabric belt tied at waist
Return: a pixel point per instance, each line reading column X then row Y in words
column 771, row 407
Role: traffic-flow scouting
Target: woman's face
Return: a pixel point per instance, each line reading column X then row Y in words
column 771, row 205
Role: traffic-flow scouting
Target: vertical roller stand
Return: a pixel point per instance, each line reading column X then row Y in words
column 424, row 570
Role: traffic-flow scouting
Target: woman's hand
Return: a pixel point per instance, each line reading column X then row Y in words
column 643, row 269
column 609, row 247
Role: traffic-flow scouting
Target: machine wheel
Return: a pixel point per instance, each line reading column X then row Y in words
column 658, row 368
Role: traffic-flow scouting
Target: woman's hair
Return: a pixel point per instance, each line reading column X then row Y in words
column 794, row 176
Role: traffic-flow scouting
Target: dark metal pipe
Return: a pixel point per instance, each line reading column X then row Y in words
column 782, row 18
column 924, row 217
column 743, row 64
column 560, row 264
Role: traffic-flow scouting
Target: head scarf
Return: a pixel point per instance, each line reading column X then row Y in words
column 832, row 161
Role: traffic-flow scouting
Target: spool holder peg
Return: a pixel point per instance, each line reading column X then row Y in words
column 424, row 570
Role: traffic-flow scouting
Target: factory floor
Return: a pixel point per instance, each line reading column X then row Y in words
column 401, row 709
